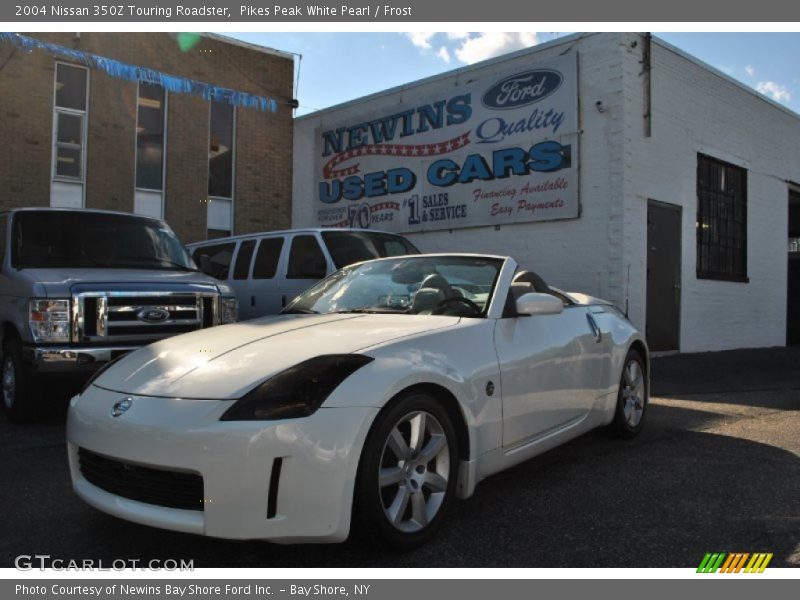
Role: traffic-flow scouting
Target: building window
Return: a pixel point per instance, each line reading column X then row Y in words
column 150, row 127
column 721, row 220
column 69, row 145
column 151, row 137
column 69, row 122
column 221, row 167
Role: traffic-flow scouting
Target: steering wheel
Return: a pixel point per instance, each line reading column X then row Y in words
column 440, row 308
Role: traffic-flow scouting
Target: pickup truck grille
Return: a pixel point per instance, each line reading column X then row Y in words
column 140, row 317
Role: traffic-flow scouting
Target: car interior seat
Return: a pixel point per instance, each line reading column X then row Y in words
column 433, row 290
column 426, row 300
column 526, row 282
column 534, row 280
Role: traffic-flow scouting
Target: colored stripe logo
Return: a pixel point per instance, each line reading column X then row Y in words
column 734, row 562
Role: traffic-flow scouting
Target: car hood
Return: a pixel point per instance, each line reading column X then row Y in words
column 225, row 362
column 59, row 282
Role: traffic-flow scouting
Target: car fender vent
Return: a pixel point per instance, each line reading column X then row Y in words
column 274, row 482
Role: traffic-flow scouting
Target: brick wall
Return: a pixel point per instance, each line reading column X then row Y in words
column 264, row 140
column 26, row 123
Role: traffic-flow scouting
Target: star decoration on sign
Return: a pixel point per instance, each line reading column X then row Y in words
column 330, row 170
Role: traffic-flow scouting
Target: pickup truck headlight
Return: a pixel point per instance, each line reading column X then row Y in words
column 228, row 310
column 296, row 392
column 49, row 320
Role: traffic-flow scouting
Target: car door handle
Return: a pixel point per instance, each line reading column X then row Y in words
column 598, row 335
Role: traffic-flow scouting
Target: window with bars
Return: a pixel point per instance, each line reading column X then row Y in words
column 721, row 220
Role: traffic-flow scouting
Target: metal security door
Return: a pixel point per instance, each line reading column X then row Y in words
column 663, row 275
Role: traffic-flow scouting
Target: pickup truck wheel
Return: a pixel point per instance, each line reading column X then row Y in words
column 19, row 392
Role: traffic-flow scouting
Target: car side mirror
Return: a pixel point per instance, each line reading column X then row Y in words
column 539, row 304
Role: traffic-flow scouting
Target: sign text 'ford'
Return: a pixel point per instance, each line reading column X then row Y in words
column 522, row 89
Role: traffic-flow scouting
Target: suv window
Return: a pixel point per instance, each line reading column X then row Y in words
column 3, row 223
column 219, row 259
column 306, row 260
column 348, row 247
column 242, row 268
column 269, row 252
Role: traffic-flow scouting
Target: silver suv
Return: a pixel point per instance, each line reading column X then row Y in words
column 78, row 288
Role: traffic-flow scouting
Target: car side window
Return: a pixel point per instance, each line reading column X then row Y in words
column 215, row 260
column 267, row 257
column 243, row 259
column 3, row 224
column 306, row 260
column 395, row 248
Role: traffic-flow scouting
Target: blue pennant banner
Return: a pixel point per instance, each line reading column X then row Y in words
column 115, row 68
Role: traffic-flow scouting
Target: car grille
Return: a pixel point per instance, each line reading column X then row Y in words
column 172, row 489
column 122, row 317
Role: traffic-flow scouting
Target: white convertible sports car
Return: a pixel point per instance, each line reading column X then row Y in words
column 382, row 393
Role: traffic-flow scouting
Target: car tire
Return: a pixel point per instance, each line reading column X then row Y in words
column 20, row 394
column 633, row 397
column 405, row 481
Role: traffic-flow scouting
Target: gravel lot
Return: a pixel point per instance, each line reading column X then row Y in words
column 717, row 469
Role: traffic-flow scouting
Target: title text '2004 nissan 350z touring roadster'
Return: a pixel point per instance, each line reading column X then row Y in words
column 377, row 397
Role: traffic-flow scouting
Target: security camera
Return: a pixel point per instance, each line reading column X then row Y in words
column 600, row 106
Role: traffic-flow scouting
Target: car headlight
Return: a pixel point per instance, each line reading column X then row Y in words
column 296, row 392
column 49, row 320
column 228, row 310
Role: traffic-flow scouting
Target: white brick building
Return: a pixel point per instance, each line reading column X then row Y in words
column 664, row 161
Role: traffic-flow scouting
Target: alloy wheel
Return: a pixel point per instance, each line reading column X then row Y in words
column 413, row 471
column 633, row 393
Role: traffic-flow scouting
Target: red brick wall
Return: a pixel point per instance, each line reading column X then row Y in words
column 26, row 123
column 264, row 140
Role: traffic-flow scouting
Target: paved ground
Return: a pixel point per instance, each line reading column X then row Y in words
column 718, row 469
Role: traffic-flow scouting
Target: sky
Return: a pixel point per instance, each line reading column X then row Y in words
column 337, row 67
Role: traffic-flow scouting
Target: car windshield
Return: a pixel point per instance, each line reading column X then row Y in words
column 348, row 247
column 62, row 239
column 439, row 285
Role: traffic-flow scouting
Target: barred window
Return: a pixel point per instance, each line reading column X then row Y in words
column 721, row 220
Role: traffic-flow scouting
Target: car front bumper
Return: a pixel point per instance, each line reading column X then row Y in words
column 313, row 499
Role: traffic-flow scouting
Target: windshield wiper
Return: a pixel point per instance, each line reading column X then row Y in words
column 298, row 311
